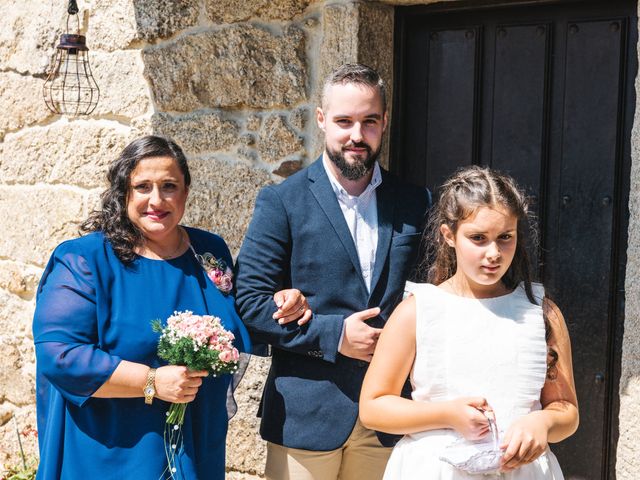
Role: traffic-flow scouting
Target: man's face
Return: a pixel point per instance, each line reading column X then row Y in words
column 353, row 121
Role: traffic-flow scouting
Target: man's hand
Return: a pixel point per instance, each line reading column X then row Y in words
column 359, row 340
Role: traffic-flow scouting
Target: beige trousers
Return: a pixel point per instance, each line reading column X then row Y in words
column 361, row 457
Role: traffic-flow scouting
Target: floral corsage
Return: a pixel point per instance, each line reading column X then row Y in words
column 217, row 270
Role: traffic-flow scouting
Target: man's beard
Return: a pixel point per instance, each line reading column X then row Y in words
column 360, row 167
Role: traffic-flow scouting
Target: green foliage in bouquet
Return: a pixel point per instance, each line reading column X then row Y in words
column 184, row 352
column 198, row 343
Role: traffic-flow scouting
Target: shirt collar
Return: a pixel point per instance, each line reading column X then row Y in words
column 376, row 180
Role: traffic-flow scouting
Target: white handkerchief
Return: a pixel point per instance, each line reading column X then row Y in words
column 479, row 458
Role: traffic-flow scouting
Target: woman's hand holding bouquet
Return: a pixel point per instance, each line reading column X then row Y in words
column 178, row 384
column 201, row 345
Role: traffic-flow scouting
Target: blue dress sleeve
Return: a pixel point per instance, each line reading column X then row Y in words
column 65, row 328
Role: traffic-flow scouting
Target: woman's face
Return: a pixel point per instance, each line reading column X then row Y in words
column 157, row 198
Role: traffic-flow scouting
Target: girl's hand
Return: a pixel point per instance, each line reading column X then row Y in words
column 292, row 305
column 525, row 441
column 177, row 384
column 468, row 419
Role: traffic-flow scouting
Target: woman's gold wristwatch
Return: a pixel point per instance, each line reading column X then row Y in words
column 150, row 387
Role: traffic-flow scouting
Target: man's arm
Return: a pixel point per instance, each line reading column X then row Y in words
column 263, row 268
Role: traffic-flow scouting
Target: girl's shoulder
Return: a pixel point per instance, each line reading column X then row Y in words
column 428, row 291
column 411, row 287
column 423, row 293
column 429, row 298
column 538, row 292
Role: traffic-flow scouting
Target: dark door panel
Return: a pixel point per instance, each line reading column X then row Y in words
column 582, row 212
column 519, row 101
column 544, row 93
column 414, row 45
column 450, row 117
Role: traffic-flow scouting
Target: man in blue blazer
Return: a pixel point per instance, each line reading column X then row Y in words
column 346, row 234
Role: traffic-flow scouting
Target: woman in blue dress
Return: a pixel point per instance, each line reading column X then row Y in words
column 102, row 391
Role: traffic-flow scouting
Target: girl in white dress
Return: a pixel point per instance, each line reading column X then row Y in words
column 488, row 354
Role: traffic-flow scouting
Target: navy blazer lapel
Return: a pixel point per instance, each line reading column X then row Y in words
column 385, row 200
column 323, row 191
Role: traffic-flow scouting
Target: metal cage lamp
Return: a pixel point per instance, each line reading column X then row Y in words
column 70, row 88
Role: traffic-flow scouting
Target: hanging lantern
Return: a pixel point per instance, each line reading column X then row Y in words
column 70, row 88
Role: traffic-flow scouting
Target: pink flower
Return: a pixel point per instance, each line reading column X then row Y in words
column 215, row 275
column 217, row 271
column 225, row 356
column 226, row 283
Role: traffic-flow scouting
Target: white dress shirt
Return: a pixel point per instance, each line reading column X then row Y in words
column 361, row 214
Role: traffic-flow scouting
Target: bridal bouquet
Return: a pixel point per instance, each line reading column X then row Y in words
column 199, row 342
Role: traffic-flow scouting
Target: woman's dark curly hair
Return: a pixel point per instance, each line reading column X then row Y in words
column 112, row 218
column 461, row 196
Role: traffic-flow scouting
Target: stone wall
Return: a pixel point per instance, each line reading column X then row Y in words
column 236, row 84
column 628, row 455
column 51, row 171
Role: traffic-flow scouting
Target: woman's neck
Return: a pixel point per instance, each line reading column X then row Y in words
column 165, row 248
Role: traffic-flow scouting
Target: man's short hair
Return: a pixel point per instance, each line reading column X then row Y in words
column 356, row 73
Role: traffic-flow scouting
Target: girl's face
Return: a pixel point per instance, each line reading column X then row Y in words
column 485, row 244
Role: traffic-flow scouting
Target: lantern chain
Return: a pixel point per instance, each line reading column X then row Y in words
column 73, row 7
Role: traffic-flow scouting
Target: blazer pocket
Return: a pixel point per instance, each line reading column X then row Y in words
column 405, row 239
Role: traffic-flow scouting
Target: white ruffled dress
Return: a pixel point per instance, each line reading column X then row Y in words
column 494, row 348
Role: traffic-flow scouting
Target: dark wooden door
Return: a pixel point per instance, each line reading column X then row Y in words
column 545, row 93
